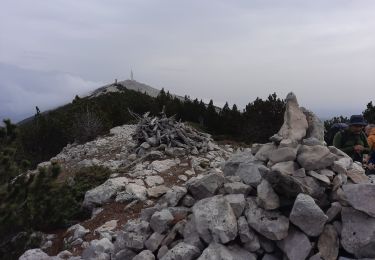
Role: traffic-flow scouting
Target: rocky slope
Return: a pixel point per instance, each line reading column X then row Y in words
column 292, row 198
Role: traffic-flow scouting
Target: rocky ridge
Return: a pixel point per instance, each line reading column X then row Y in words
column 292, row 198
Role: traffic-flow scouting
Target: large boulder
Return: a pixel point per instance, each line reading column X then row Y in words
column 133, row 236
column 315, row 126
column 358, row 233
column 250, row 173
column 271, row 224
column 296, row 245
column 360, row 197
column 217, row 251
column 232, row 164
column 307, row 215
column 283, row 154
column 215, row 219
column 315, row 157
column 161, row 220
column 105, row 192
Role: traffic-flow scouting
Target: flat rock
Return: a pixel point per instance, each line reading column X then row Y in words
column 296, row 245
column 105, row 192
column 328, row 243
column 162, row 166
column 283, row 154
column 237, row 188
column 182, row 251
column 215, row 219
column 265, row 151
column 270, row 224
column 319, row 177
column 315, row 157
column 342, row 165
column 206, row 186
column 266, row 196
column 217, row 251
column 360, row 197
column 156, row 192
column 138, row 191
column 333, row 211
column 288, row 167
column 307, row 215
column 154, row 180
column 358, row 233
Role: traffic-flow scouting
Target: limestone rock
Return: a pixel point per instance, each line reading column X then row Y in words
column 265, row 151
column 283, row 154
column 288, row 167
column 333, row 211
column 237, row 188
column 296, row 245
column 174, row 195
column 315, row 126
column 144, row 255
column 103, row 193
column 34, row 254
column 319, row 177
column 295, row 123
column 182, row 251
column 307, row 215
column 247, row 235
column 237, row 202
column 138, row 191
column 154, row 241
column 206, row 186
column 267, row 198
column 328, row 243
column 156, row 192
column 215, row 219
column 217, row 251
column 358, row 233
column 160, row 221
column 154, row 180
column 360, row 197
column 232, row 164
column 315, row 157
column 270, row 224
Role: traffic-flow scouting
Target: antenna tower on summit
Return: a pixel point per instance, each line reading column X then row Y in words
column 131, row 75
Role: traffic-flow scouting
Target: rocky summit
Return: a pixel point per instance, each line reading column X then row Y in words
column 179, row 195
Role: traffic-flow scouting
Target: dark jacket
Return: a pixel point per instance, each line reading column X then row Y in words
column 346, row 140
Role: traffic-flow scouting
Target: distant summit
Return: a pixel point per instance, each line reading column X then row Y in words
column 129, row 84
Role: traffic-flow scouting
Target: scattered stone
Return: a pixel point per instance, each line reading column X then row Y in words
column 182, row 251
column 267, row 198
column 154, row 180
column 138, row 191
column 328, row 243
column 162, row 166
column 144, row 255
column 134, row 235
column 270, row 224
column 307, row 215
column 34, row 254
column 78, row 231
column 160, row 221
column 174, row 195
column 156, row 192
column 215, row 220
column 237, row 188
column 105, row 192
column 217, row 251
column 182, row 177
column 296, row 245
column 206, row 186
column 107, row 226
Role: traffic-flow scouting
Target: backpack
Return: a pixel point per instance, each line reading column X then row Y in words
column 335, row 128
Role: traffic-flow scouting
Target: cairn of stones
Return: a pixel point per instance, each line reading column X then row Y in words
column 161, row 132
column 292, row 198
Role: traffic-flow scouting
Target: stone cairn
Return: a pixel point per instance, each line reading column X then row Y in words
column 292, row 198
column 165, row 132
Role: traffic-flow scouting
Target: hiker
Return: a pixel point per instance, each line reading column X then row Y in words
column 353, row 141
column 370, row 132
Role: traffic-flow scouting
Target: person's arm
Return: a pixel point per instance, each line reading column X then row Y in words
column 337, row 143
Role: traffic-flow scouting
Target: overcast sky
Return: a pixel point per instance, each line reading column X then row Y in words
column 235, row 51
